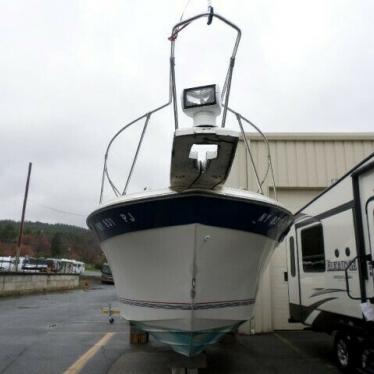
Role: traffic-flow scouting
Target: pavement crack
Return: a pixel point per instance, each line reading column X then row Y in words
column 15, row 359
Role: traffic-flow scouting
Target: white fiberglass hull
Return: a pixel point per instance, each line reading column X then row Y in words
column 188, row 284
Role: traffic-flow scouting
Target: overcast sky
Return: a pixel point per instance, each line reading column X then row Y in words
column 72, row 72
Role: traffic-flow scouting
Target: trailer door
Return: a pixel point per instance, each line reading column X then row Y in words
column 311, row 267
column 370, row 228
column 363, row 182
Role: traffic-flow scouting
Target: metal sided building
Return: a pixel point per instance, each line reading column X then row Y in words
column 304, row 165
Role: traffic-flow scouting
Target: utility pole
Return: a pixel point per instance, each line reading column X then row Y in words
column 20, row 234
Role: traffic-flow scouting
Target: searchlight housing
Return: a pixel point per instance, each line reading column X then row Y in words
column 203, row 104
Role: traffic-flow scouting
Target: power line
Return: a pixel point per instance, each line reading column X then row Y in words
column 62, row 211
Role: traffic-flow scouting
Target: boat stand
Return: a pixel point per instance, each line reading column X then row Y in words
column 188, row 365
column 184, row 371
column 177, row 363
column 138, row 336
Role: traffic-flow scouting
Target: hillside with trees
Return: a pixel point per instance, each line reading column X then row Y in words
column 50, row 240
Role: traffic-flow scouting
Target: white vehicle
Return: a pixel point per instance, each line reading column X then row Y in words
column 79, row 267
column 71, row 266
column 7, row 263
column 330, row 265
column 187, row 260
column 31, row 264
column 67, row 266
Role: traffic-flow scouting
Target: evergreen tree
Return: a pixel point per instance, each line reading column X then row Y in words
column 57, row 247
column 8, row 233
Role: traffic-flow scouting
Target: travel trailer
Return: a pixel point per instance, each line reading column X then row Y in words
column 71, row 266
column 187, row 259
column 330, row 252
column 7, row 263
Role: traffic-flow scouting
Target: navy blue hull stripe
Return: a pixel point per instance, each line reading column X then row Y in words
column 187, row 306
column 182, row 209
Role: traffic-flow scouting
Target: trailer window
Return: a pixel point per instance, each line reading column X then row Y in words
column 292, row 256
column 313, row 249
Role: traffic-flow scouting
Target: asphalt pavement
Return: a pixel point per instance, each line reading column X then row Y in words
column 67, row 332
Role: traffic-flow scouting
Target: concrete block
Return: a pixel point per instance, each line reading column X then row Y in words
column 9, row 286
column 36, row 283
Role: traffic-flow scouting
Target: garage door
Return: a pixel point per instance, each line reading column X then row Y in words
column 292, row 199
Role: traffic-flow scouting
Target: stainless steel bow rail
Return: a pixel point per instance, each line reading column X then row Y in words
column 225, row 95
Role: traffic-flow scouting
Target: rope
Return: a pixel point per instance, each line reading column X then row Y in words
column 175, row 35
column 185, row 7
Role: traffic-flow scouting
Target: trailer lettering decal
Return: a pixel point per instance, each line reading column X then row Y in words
column 340, row 265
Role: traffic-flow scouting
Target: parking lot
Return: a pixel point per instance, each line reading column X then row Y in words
column 67, row 332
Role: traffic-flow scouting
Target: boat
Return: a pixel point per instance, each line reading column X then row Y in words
column 187, row 259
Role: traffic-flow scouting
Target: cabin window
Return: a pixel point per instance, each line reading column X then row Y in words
column 313, row 249
column 292, row 256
